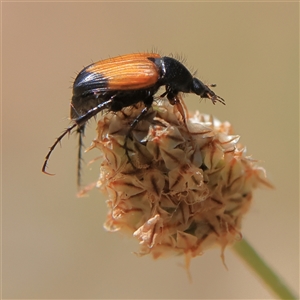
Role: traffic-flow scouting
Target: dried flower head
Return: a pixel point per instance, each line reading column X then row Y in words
column 179, row 185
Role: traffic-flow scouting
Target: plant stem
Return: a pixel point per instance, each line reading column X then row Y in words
column 259, row 266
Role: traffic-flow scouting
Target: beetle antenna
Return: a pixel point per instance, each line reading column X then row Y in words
column 212, row 85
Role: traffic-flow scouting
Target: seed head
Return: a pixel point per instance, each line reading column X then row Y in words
column 179, row 187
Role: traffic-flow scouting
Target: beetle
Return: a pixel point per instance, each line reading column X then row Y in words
column 115, row 83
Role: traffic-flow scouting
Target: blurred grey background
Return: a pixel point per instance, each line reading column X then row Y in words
column 54, row 245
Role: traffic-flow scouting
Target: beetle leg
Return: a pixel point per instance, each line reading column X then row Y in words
column 148, row 102
column 80, row 121
column 80, row 131
column 68, row 130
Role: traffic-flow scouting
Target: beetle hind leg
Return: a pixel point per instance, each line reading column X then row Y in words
column 80, row 131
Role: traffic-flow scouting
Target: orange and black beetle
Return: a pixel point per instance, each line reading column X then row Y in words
column 122, row 81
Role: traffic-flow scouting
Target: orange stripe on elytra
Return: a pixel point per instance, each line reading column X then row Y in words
column 127, row 72
column 129, row 57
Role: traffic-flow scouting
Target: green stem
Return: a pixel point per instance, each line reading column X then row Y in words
column 256, row 263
